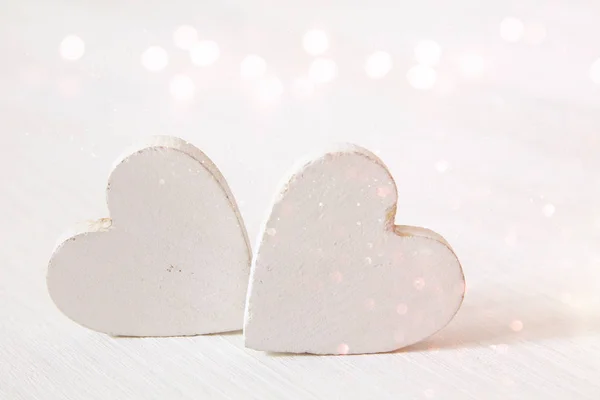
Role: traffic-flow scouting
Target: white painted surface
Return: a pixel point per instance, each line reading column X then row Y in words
column 477, row 160
column 173, row 259
column 332, row 274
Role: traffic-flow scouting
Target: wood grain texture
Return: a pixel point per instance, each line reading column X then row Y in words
column 492, row 157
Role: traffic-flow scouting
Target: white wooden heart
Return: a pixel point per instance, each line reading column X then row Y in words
column 332, row 273
column 172, row 260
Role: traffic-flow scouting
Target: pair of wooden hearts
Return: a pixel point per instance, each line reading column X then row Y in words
column 332, row 274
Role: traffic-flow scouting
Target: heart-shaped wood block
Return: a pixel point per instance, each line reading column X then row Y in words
column 172, row 260
column 334, row 275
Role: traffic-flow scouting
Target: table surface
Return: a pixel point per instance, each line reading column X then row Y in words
column 505, row 165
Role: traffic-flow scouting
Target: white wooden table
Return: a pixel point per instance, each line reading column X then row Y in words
column 505, row 166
